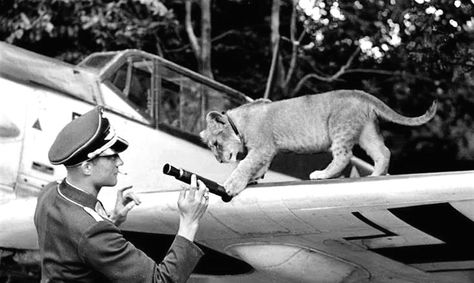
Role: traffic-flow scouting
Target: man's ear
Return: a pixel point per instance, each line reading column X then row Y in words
column 86, row 168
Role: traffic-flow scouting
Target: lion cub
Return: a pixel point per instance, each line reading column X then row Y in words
column 334, row 121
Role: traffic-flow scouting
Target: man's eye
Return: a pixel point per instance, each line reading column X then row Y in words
column 112, row 157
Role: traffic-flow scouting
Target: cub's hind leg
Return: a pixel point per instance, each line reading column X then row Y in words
column 372, row 142
column 341, row 154
column 344, row 129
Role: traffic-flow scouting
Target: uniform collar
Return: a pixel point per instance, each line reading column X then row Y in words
column 77, row 195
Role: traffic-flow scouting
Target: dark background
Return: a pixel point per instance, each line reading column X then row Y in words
column 433, row 60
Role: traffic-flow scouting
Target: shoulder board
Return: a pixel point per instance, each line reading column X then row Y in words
column 94, row 214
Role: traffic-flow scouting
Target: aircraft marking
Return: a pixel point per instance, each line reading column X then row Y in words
column 386, row 232
column 37, row 125
column 441, row 221
column 75, row 115
column 41, row 167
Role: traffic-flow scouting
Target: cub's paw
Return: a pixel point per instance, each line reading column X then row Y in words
column 255, row 180
column 233, row 186
column 318, row 175
column 252, row 182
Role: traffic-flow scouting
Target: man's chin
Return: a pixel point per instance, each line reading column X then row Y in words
column 110, row 184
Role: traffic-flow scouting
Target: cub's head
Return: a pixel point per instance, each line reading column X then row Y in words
column 221, row 138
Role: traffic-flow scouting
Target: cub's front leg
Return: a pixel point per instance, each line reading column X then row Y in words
column 236, row 182
column 244, row 173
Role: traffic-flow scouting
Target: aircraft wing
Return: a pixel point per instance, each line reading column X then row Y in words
column 406, row 228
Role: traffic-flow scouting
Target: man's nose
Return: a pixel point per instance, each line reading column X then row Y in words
column 119, row 161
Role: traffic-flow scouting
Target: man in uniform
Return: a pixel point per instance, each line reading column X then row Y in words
column 78, row 241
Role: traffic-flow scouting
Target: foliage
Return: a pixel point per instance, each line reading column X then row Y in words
column 420, row 51
column 412, row 52
column 69, row 29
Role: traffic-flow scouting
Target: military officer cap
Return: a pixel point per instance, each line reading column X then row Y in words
column 84, row 138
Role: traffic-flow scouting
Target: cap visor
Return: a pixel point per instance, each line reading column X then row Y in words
column 120, row 145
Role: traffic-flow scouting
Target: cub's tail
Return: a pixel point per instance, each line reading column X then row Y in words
column 389, row 114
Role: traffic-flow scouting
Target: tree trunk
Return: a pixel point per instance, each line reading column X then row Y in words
column 201, row 47
column 206, row 38
column 274, row 78
column 193, row 40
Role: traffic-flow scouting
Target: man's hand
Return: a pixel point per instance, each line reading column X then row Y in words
column 192, row 204
column 125, row 202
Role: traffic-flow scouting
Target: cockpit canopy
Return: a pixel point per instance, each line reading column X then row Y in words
column 162, row 91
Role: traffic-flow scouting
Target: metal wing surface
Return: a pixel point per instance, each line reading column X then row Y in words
column 406, row 228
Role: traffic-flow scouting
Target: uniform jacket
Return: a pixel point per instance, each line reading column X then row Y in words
column 78, row 245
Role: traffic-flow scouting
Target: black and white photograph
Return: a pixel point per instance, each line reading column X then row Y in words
column 235, row 141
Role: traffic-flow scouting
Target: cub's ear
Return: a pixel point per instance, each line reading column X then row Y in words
column 215, row 124
column 215, row 116
column 204, row 135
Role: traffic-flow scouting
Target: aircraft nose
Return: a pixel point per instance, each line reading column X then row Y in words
column 7, row 128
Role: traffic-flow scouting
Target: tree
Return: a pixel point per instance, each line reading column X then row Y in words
column 202, row 47
column 412, row 52
column 77, row 28
column 405, row 52
column 283, row 75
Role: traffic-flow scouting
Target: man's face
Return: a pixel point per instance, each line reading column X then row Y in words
column 105, row 170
